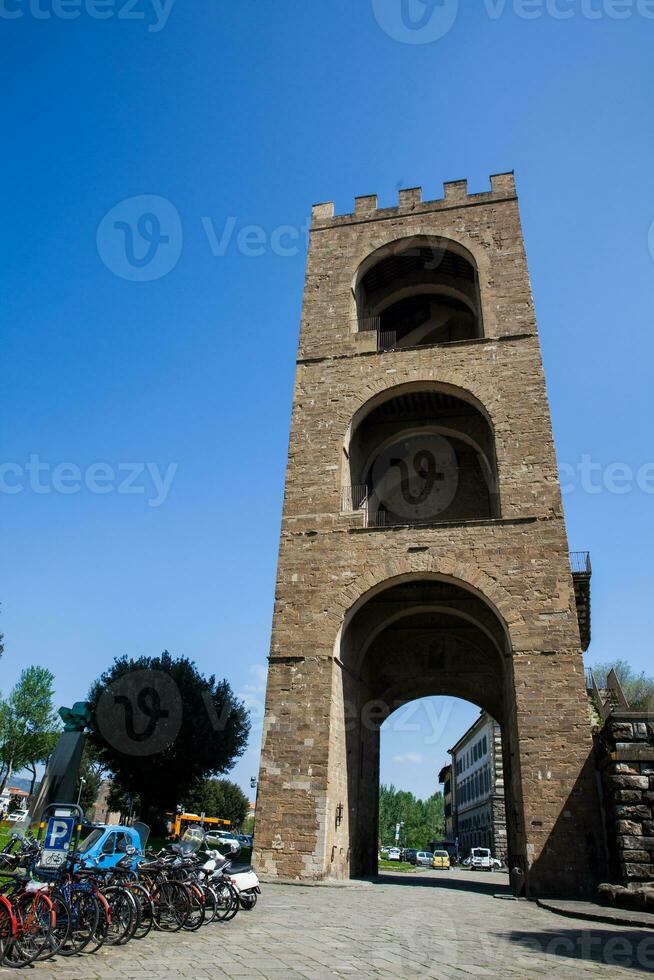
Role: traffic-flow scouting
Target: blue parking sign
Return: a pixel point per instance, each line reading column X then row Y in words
column 59, row 833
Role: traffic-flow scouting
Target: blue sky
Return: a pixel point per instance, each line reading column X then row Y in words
column 244, row 114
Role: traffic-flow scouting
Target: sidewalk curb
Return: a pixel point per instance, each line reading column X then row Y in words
column 306, row 883
column 598, row 913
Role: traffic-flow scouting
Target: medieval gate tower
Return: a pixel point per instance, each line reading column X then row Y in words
column 423, row 548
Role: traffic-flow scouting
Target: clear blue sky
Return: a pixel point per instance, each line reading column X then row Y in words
column 252, row 111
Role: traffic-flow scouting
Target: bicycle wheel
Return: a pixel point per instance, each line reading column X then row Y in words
column 101, row 931
column 196, row 914
column 228, row 902
column 145, row 907
column 6, row 931
column 172, row 905
column 34, row 923
column 123, row 915
column 61, row 926
column 211, row 903
column 85, row 919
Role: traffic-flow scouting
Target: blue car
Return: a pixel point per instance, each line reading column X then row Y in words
column 107, row 844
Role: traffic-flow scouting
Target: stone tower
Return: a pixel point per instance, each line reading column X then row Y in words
column 423, row 548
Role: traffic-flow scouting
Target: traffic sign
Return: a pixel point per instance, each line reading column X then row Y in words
column 57, row 840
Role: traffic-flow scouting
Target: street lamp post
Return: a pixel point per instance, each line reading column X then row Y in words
column 82, row 781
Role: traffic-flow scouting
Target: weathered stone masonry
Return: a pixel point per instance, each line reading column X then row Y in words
column 626, row 757
column 368, row 617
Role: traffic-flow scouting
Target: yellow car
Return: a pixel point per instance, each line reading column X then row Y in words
column 441, row 860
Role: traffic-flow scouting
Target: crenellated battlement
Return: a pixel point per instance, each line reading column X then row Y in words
column 455, row 194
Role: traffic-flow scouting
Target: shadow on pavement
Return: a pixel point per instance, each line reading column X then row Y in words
column 628, row 949
column 495, row 885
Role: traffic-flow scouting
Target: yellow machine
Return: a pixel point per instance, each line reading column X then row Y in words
column 183, row 821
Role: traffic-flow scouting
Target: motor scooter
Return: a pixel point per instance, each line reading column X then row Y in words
column 245, row 880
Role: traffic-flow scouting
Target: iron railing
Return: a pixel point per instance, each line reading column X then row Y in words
column 580, row 563
column 386, row 340
column 353, row 499
column 365, row 324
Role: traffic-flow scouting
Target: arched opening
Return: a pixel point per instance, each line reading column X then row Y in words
column 441, row 784
column 421, row 454
column 419, row 291
column 418, row 638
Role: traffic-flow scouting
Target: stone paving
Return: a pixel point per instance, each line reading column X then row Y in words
column 432, row 924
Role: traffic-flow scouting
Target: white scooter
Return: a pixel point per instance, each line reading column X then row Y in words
column 245, row 882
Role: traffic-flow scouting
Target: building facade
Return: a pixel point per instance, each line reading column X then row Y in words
column 478, row 806
column 445, row 779
column 423, row 549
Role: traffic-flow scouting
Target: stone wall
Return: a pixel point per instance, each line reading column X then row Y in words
column 626, row 762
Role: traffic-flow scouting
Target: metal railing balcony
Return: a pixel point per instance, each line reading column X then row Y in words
column 354, row 499
column 366, row 324
column 580, row 563
column 386, row 340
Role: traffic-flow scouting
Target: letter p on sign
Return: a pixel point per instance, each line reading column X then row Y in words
column 59, row 833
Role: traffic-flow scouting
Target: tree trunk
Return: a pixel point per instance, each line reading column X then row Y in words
column 32, row 769
column 6, row 777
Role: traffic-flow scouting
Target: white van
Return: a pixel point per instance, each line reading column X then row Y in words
column 481, row 859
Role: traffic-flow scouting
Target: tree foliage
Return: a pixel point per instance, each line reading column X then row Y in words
column 219, row 798
column 28, row 723
column 638, row 687
column 91, row 771
column 423, row 820
column 208, row 729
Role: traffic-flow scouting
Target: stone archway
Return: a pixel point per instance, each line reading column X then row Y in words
column 413, row 636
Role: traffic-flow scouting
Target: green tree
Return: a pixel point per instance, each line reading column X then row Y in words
column 161, row 727
column 91, row 771
column 219, row 798
column 120, row 802
column 25, row 716
column 638, row 687
column 39, row 748
column 423, row 820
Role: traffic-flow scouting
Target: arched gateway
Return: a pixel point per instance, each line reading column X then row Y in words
column 423, row 548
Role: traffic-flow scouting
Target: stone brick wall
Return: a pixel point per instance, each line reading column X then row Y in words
column 626, row 760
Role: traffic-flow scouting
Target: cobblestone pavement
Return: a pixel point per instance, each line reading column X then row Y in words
column 436, row 924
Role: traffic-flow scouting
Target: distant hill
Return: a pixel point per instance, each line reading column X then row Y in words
column 19, row 782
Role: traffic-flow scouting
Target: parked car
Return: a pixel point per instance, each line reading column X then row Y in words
column 423, row 859
column 441, row 860
column 481, row 859
column 410, row 855
column 223, row 839
column 107, row 844
column 394, row 854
